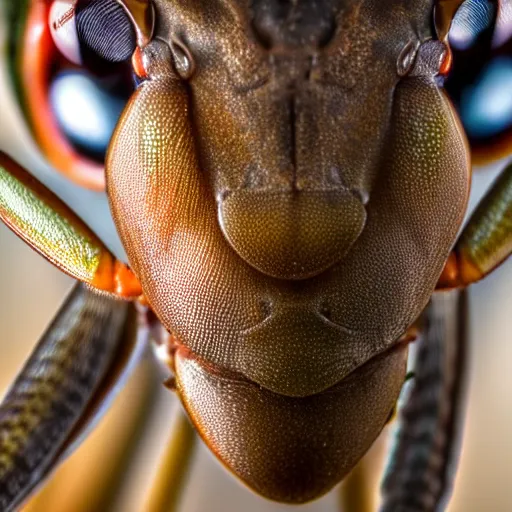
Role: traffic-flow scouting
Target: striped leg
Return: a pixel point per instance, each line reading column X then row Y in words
column 422, row 464
column 56, row 393
column 97, row 476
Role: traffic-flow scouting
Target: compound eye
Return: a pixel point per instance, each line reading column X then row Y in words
column 470, row 23
column 104, row 28
column 480, row 79
column 86, row 30
column 71, row 65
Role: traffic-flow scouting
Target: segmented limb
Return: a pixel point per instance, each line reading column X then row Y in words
column 174, row 467
column 422, row 464
column 50, row 402
column 44, row 222
column 486, row 241
column 134, row 425
column 356, row 492
column 116, row 443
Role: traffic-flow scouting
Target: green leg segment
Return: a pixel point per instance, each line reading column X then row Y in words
column 486, row 241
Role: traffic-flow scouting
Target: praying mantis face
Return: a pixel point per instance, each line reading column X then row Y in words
column 288, row 179
column 288, row 182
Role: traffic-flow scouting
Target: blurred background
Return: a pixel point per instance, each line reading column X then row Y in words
column 32, row 290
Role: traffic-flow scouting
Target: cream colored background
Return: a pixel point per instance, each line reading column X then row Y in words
column 31, row 290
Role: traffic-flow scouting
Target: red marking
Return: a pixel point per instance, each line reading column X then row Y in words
column 138, row 64
column 447, row 63
column 65, row 18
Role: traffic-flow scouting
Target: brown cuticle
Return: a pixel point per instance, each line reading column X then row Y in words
column 142, row 14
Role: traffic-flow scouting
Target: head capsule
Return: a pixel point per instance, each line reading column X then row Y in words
column 288, row 184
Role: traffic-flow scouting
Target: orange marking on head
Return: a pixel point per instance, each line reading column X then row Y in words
column 113, row 276
column 446, row 65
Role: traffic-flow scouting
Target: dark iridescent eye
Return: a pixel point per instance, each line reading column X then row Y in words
column 86, row 101
column 70, row 65
column 480, row 81
column 105, row 29
column 472, row 20
column 92, row 30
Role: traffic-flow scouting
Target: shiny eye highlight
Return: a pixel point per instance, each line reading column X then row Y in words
column 86, row 109
column 183, row 59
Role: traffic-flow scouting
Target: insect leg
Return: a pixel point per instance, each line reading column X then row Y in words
column 174, row 467
column 356, row 491
column 486, row 241
column 61, row 387
column 117, row 443
column 44, row 222
column 423, row 461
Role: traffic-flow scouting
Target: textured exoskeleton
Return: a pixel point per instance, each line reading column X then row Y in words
column 288, row 180
column 288, row 185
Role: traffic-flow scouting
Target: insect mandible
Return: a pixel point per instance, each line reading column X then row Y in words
column 288, row 181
